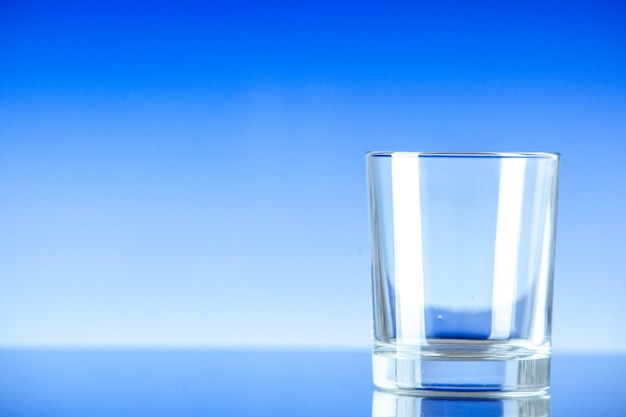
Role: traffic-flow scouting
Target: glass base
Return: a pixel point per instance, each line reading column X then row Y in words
column 448, row 373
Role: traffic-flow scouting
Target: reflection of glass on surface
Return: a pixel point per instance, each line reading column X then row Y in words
column 388, row 404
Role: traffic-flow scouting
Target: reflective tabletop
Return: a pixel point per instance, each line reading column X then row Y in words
column 73, row 382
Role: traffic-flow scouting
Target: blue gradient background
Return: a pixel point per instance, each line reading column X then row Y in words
column 193, row 174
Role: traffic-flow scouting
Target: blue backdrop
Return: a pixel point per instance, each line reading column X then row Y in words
column 193, row 173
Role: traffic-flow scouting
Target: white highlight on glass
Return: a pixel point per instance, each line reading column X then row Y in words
column 539, row 322
column 538, row 329
column 407, row 228
column 510, row 202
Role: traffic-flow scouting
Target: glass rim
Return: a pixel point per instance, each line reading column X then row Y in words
column 527, row 155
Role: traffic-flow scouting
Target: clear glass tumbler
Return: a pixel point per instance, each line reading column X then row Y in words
column 462, row 259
